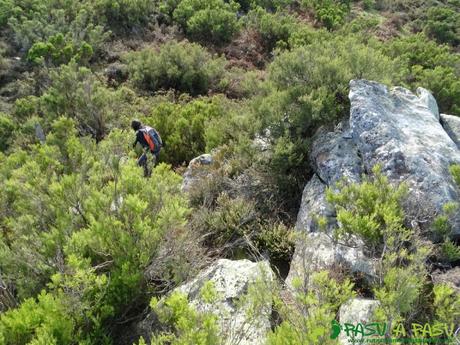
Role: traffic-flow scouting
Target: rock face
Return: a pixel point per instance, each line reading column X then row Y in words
column 356, row 310
column 231, row 280
column 402, row 132
column 317, row 251
column 406, row 135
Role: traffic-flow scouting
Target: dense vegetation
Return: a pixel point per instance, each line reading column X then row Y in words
column 251, row 80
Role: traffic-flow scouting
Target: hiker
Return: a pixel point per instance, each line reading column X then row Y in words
column 150, row 140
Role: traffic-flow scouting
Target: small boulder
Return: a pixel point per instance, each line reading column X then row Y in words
column 196, row 171
column 356, row 310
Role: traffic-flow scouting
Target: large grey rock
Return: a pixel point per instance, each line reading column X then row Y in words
column 401, row 132
column 451, row 125
column 356, row 310
column 196, row 171
column 317, row 251
column 231, row 281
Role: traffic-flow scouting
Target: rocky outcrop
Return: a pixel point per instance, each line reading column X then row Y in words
column 231, row 281
column 356, row 310
column 196, row 171
column 402, row 132
column 397, row 129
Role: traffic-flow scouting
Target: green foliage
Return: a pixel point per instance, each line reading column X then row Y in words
column 293, row 109
column 79, row 94
column 187, row 326
column 450, row 251
column 331, row 13
column 57, row 51
column 369, row 209
column 85, row 240
column 36, row 21
column 275, row 28
column 214, row 21
column 372, row 211
column 308, row 319
column 443, row 24
column 7, row 128
column 443, row 224
column 185, row 67
column 446, row 304
column 41, row 321
column 90, row 233
column 183, row 126
column 125, row 14
column 424, row 63
column 6, row 7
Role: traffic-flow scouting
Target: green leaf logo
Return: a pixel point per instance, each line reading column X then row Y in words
column 335, row 329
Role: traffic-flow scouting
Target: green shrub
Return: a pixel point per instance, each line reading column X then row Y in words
column 87, row 225
column 57, row 51
column 79, row 94
column 450, row 251
column 41, row 321
column 185, row 67
column 275, row 28
column 443, row 24
column 6, row 7
column 307, row 319
column 210, row 21
column 368, row 4
column 443, row 225
column 372, row 211
column 187, row 326
column 7, row 128
column 183, row 125
column 308, row 87
column 368, row 209
column 331, row 13
column 125, row 14
column 36, row 21
column 424, row 63
column 446, row 304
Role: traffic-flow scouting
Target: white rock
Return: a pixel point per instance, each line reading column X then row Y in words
column 231, row 280
column 196, row 171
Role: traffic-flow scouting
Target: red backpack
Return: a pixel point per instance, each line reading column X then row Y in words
column 152, row 137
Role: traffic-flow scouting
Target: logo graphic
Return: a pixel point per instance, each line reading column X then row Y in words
column 336, row 328
column 378, row 333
